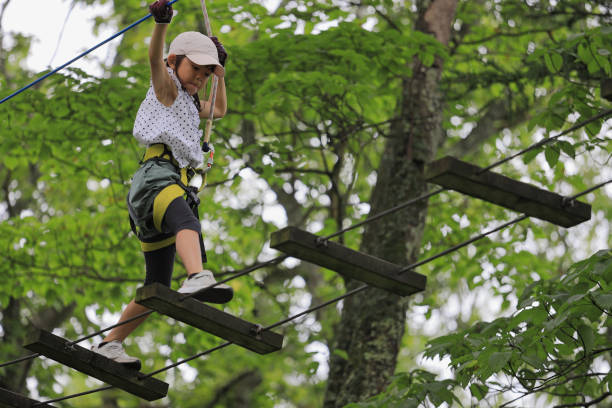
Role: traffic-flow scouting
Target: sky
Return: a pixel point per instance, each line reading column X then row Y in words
column 46, row 23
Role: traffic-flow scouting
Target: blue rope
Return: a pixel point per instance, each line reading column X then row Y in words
column 78, row 57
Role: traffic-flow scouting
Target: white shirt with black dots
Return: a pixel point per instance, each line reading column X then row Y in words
column 176, row 126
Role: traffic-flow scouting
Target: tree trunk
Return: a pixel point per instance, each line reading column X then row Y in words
column 372, row 322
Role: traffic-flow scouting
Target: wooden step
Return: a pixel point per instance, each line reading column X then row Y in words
column 10, row 399
column 96, row 365
column 347, row 262
column 533, row 201
column 606, row 88
column 188, row 310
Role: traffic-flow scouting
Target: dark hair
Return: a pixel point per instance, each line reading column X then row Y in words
column 195, row 96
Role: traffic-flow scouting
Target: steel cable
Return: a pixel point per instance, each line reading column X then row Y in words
column 48, row 74
column 331, row 301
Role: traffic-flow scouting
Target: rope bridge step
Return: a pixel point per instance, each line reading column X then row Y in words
column 533, row 201
column 96, row 365
column 606, row 88
column 10, row 399
column 347, row 262
column 204, row 317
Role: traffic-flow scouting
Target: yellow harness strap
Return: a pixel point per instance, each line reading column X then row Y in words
column 159, row 150
column 164, row 197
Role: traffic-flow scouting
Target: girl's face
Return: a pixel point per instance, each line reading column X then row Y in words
column 192, row 76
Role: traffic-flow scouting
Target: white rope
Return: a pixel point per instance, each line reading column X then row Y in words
column 213, row 90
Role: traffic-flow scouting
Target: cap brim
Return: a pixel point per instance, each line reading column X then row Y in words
column 205, row 59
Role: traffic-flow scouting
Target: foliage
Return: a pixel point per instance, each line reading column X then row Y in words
column 310, row 108
column 554, row 344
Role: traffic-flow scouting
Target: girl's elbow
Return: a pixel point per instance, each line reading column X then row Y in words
column 220, row 111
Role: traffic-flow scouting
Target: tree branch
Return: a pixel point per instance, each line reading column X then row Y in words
column 248, row 379
column 505, row 34
column 586, row 404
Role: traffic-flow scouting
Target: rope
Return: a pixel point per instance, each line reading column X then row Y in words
column 492, row 166
column 112, row 37
column 386, row 212
column 549, row 139
column 80, row 394
column 213, row 91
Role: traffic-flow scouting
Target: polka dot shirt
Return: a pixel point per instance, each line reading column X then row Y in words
column 176, row 126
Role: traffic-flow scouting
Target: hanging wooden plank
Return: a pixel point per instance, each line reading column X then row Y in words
column 347, row 262
column 525, row 198
column 96, row 365
column 606, row 88
column 188, row 310
column 10, row 399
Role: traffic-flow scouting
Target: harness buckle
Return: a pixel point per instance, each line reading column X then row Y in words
column 192, row 196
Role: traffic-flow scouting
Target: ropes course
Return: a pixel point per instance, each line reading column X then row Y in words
column 307, row 311
column 359, row 289
column 322, row 241
column 314, row 308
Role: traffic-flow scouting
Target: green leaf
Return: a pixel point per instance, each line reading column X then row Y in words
column 342, row 354
column 11, row 162
column 553, row 62
column 427, row 59
column 588, row 337
column 552, row 156
column 499, row 359
column 567, row 148
column 531, row 154
column 603, row 300
column 313, row 367
column 479, row 391
column 584, row 54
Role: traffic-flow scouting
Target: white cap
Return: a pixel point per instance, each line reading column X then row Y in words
column 198, row 48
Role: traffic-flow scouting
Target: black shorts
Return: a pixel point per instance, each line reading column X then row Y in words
column 160, row 262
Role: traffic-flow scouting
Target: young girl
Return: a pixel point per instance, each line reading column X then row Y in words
column 168, row 124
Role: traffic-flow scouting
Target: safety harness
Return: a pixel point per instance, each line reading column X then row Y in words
column 161, row 153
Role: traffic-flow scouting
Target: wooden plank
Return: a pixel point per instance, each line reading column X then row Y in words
column 188, row 310
column 96, row 365
column 606, row 88
column 10, row 399
column 352, row 264
column 525, row 198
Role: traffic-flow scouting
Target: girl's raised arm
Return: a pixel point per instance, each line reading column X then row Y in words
column 164, row 87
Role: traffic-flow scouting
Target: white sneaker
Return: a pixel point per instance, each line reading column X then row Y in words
column 219, row 294
column 113, row 350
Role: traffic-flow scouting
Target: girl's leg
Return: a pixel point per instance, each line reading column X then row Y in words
column 121, row 332
column 159, row 265
column 188, row 248
column 181, row 221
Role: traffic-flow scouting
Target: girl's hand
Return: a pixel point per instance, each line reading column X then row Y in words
column 220, row 50
column 161, row 11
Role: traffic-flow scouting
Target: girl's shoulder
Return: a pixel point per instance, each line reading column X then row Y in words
column 174, row 77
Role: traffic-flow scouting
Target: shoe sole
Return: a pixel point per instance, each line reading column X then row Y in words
column 215, row 295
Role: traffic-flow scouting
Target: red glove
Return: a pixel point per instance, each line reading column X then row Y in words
column 220, row 50
column 161, row 11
